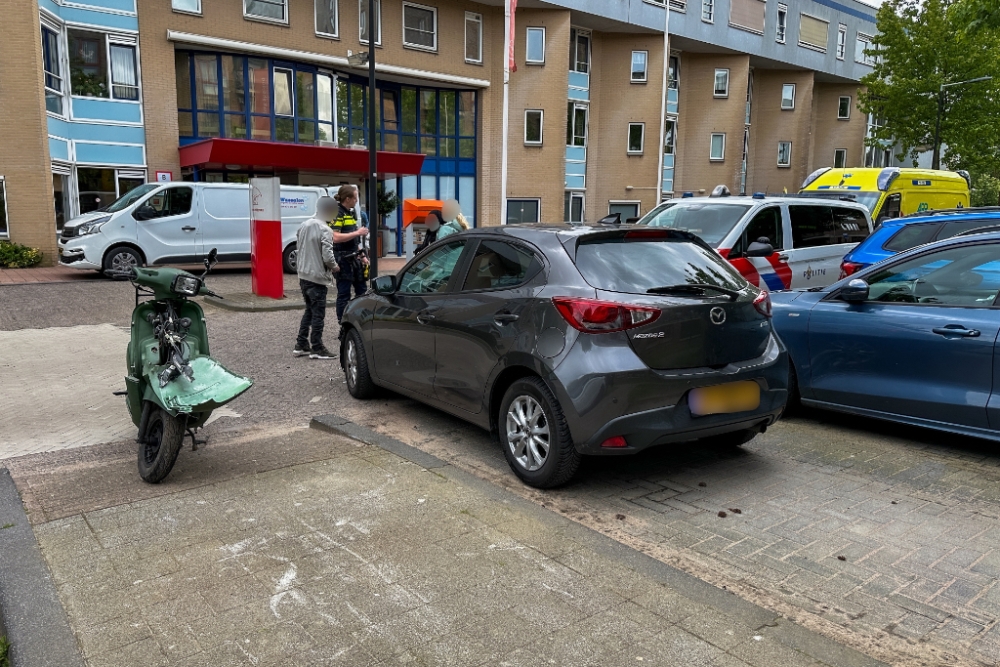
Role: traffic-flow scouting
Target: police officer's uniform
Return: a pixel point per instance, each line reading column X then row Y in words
column 351, row 268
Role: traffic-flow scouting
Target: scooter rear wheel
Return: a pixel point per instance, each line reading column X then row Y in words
column 158, row 452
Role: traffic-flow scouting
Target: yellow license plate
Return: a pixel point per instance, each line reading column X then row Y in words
column 725, row 398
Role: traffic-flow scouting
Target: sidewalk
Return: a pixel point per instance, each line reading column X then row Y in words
column 307, row 548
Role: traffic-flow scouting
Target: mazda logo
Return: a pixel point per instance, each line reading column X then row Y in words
column 717, row 315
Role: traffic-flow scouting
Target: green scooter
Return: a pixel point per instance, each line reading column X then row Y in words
column 173, row 385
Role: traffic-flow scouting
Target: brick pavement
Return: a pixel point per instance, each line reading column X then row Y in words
column 345, row 554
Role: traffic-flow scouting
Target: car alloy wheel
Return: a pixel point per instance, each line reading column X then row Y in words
column 528, row 432
column 352, row 363
column 293, row 258
column 123, row 261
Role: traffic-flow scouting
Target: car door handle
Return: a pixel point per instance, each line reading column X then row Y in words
column 503, row 317
column 956, row 330
column 424, row 318
column 782, row 258
column 188, row 228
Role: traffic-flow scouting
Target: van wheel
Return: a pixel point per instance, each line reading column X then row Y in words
column 289, row 257
column 121, row 259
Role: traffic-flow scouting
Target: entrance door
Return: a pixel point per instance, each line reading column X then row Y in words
column 168, row 227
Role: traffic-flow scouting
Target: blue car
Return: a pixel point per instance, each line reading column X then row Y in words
column 899, row 234
column 912, row 339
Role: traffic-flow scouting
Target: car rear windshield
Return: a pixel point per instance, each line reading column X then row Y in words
column 911, row 236
column 711, row 221
column 636, row 265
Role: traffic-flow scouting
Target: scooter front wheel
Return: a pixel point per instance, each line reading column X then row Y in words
column 158, row 451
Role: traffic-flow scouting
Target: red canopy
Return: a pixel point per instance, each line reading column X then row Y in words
column 272, row 154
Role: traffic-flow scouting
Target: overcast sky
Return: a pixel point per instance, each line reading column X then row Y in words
column 873, row 3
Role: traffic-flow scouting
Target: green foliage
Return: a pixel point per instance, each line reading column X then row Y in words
column 985, row 191
column 17, row 256
column 921, row 45
column 4, row 652
column 978, row 14
column 387, row 202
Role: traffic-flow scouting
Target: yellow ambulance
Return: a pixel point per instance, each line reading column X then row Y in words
column 891, row 192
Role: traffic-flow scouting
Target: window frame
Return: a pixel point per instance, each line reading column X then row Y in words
column 814, row 47
column 868, row 40
column 586, row 125
column 568, row 198
column 110, row 39
column 626, row 202
column 711, row 141
column 715, row 84
column 411, row 45
column 4, row 233
column 538, row 208
column 781, row 24
column 836, row 152
column 850, row 101
column 362, row 8
column 710, row 6
column 529, row 274
column 541, row 127
column 642, row 139
column 135, row 64
column 266, row 19
column 784, row 86
column 478, row 20
column 336, row 14
column 527, row 41
column 187, row 11
column 785, row 165
column 64, row 82
column 274, row 97
column 841, row 45
column 645, row 67
column 575, row 35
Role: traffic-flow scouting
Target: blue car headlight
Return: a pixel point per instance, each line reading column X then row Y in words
column 92, row 226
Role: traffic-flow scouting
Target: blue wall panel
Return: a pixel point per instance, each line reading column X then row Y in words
column 58, row 149
column 116, row 21
column 96, row 132
column 92, row 108
column 108, row 154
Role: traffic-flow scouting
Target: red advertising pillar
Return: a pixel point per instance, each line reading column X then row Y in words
column 267, row 273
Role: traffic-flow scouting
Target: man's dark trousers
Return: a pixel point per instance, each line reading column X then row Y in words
column 351, row 275
column 314, row 316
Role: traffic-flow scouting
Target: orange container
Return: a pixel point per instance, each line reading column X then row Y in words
column 415, row 210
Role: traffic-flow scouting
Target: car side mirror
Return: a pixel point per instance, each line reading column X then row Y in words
column 385, row 285
column 854, row 291
column 145, row 212
column 758, row 249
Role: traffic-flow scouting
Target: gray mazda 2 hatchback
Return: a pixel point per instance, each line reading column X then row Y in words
column 568, row 341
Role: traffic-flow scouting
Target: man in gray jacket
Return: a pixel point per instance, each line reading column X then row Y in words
column 317, row 268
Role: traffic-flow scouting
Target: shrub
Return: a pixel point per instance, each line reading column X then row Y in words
column 17, row 256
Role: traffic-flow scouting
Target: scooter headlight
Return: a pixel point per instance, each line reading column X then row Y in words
column 92, row 226
column 186, row 285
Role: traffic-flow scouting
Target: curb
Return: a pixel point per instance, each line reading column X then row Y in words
column 36, row 623
column 767, row 623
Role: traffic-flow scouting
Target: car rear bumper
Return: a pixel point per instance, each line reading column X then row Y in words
column 650, row 408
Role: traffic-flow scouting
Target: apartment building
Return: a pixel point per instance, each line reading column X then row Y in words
column 604, row 114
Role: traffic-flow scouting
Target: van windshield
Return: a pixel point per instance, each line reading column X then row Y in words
column 867, row 199
column 711, row 220
column 131, row 197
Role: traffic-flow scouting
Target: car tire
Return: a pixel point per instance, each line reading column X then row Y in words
column 530, row 421
column 121, row 258
column 355, row 364
column 159, row 449
column 793, row 404
column 732, row 440
column 289, row 257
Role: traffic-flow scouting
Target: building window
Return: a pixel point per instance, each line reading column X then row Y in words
column 522, row 210
column 708, row 11
column 841, row 41
column 784, row 154
column 473, row 38
column 573, row 206
column 534, row 53
column 779, row 31
column 788, row 96
column 579, row 51
column 124, row 85
column 283, row 105
column 673, row 73
column 533, row 127
column 844, row 108
column 363, row 22
column 840, row 158
column 628, row 210
column 576, row 125
column 91, row 69
column 863, row 43
column 4, row 229
column 266, row 10
column 669, row 136
column 636, row 138
column 639, row 66
column 186, row 6
column 721, row 83
column 718, row 148
column 419, row 27
column 328, row 18
column 749, row 15
column 814, row 33
column 53, row 71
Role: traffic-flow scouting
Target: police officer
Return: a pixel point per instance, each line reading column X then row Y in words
column 347, row 235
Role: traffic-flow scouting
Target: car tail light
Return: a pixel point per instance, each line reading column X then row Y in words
column 849, row 268
column 647, row 234
column 593, row 316
column 762, row 303
column 615, row 441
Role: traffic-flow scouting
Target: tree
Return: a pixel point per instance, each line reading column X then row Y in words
column 922, row 44
column 979, row 14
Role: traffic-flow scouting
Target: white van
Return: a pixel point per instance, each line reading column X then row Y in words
column 178, row 223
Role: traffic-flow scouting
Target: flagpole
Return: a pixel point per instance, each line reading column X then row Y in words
column 663, row 100
column 506, row 114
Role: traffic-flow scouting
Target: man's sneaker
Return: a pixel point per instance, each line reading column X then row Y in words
column 321, row 353
column 299, row 352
